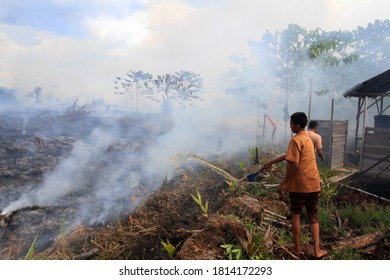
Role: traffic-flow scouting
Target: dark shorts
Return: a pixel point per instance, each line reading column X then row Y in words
column 308, row 200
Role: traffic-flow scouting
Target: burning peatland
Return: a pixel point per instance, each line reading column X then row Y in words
column 81, row 187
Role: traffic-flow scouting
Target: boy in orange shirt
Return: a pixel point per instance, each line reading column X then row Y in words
column 302, row 181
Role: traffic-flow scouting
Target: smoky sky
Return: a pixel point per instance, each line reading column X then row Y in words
column 65, row 18
column 52, row 43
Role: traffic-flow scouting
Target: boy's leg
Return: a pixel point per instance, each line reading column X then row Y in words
column 296, row 230
column 315, row 233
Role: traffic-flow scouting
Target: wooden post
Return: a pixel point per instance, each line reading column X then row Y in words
column 330, row 156
column 263, row 128
column 363, row 132
column 364, row 115
column 357, row 124
column 310, row 96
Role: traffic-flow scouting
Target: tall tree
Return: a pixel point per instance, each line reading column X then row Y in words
column 182, row 87
column 139, row 81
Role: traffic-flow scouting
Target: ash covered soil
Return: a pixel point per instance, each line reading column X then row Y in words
column 76, row 196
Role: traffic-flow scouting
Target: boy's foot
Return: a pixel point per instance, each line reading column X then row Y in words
column 321, row 254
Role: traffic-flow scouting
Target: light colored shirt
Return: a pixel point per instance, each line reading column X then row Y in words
column 300, row 151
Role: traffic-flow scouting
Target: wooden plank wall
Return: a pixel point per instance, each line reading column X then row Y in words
column 334, row 141
column 376, row 146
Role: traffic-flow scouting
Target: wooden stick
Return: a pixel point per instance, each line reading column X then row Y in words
column 276, row 221
column 275, row 214
column 371, row 194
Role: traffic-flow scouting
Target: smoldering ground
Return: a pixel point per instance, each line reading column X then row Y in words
column 94, row 170
column 98, row 180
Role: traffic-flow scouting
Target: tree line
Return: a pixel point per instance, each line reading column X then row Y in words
column 293, row 62
column 181, row 87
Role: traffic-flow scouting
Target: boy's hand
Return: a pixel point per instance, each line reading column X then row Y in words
column 282, row 187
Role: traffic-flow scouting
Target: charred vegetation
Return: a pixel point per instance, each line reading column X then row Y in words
column 242, row 220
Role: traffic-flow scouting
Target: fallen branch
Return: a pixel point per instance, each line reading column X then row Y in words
column 274, row 221
column 274, row 214
column 359, row 242
column 271, row 186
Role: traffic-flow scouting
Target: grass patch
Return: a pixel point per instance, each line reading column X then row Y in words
column 346, row 254
column 257, row 190
column 326, row 221
column 366, row 218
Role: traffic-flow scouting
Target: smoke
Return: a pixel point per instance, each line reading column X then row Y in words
column 100, row 177
column 123, row 159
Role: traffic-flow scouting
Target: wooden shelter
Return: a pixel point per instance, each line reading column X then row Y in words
column 373, row 143
column 370, row 93
column 334, row 141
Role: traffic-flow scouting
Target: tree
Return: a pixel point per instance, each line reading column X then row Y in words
column 140, row 80
column 181, row 86
column 294, row 52
column 373, row 45
column 36, row 94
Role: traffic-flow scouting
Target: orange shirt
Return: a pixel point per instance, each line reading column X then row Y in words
column 300, row 151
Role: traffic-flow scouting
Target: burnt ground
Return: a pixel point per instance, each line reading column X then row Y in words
column 155, row 223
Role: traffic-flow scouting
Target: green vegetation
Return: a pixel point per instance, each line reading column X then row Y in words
column 204, row 207
column 233, row 185
column 366, row 218
column 255, row 189
column 241, row 164
column 169, row 248
column 346, row 254
column 31, row 250
column 232, row 252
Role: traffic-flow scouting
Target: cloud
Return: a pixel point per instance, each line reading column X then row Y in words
column 61, row 17
column 76, row 48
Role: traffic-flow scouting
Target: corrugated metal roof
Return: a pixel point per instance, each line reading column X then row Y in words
column 374, row 87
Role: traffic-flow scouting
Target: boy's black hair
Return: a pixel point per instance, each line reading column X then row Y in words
column 313, row 124
column 299, row 118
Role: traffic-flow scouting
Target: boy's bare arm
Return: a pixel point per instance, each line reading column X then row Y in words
column 275, row 160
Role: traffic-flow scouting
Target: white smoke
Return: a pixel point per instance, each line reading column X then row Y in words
column 93, row 179
column 107, row 173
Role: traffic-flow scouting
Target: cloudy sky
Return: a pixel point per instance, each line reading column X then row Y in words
column 75, row 48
